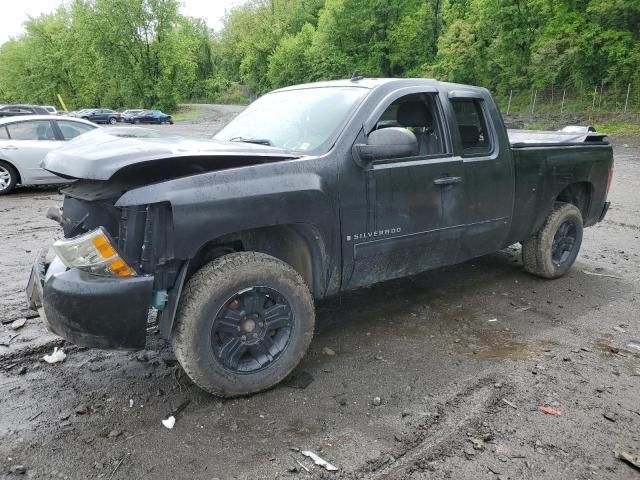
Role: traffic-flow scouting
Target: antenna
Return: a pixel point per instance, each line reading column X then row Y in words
column 355, row 77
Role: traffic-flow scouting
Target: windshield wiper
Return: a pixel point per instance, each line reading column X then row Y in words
column 259, row 141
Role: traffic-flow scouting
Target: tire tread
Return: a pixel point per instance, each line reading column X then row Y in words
column 194, row 297
column 535, row 250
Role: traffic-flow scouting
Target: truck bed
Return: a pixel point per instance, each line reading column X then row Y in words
column 542, row 169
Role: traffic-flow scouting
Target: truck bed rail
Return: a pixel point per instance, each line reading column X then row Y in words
column 522, row 138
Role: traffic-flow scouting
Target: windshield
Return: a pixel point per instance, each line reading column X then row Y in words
column 301, row 120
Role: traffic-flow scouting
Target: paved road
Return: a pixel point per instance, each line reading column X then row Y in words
column 459, row 357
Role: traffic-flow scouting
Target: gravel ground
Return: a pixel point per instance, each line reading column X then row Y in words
column 434, row 376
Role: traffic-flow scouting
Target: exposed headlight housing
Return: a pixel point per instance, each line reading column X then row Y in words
column 93, row 252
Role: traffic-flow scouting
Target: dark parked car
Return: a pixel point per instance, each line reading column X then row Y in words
column 12, row 110
column 101, row 115
column 152, row 116
column 312, row 190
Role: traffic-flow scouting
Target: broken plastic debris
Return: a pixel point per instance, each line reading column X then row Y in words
column 56, row 356
column 630, row 458
column 600, row 274
column 633, row 344
column 549, row 410
column 169, row 422
column 18, row 324
column 319, row 461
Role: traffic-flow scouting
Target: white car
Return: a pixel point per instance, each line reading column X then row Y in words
column 25, row 141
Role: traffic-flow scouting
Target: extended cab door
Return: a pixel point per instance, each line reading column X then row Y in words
column 481, row 142
column 403, row 215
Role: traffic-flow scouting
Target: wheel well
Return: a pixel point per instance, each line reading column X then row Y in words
column 578, row 194
column 14, row 167
column 298, row 245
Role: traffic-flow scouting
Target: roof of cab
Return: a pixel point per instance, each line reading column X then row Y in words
column 371, row 83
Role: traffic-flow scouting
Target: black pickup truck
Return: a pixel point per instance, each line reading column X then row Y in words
column 312, row 190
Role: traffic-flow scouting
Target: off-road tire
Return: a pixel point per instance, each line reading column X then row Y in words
column 204, row 295
column 537, row 251
column 13, row 178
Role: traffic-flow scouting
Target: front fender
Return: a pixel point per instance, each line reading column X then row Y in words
column 215, row 204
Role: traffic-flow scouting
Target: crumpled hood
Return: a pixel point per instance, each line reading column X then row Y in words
column 99, row 154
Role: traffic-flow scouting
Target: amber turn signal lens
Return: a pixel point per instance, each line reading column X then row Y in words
column 103, row 246
column 120, row 268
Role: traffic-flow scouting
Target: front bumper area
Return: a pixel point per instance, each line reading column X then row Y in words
column 90, row 310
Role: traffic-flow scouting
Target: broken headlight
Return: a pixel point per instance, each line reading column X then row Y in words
column 93, row 252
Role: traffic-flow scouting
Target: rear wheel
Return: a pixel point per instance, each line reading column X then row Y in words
column 244, row 322
column 113, row 120
column 8, row 178
column 552, row 252
column 136, row 121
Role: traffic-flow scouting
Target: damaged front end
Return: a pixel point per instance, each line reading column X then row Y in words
column 117, row 262
column 111, row 267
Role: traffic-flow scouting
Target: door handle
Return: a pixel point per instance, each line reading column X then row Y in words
column 447, row 180
column 9, row 147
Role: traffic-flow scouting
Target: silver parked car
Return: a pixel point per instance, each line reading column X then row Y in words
column 26, row 140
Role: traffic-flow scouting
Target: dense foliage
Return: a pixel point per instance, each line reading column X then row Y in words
column 144, row 53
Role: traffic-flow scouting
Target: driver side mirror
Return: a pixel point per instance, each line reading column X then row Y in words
column 385, row 144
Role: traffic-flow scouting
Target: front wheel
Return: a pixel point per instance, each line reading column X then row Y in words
column 244, row 322
column 8, row 178
column 552, row 251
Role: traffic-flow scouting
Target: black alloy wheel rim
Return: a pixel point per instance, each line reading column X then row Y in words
column 564, row 242
column 252, row 330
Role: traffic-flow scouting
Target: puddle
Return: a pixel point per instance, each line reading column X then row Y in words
column 500, row 346
column 631, row 347
column 483, row 336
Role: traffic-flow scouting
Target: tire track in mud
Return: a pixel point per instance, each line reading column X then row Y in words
column 435, row 436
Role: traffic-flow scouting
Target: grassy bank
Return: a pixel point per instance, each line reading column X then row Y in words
column 187, row 113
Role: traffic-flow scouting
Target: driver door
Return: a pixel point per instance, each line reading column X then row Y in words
column 404, row 215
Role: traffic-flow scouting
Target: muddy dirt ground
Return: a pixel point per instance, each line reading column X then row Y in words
column 458, row 358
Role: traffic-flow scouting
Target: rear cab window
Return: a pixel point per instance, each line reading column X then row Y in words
column 471, row 119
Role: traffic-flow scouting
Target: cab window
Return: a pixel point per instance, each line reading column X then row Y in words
column 419, row 114
column 472, row 126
